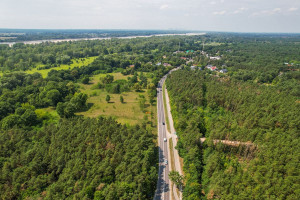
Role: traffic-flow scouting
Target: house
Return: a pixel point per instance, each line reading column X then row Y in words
column 178, row 52
column 223, row 70
column 214, row 57
column 183, row 58
column 192, row 51
column 164, row 57
column 212, row 68
column 131, row 66
column 167, row 64
column 193, row 67
column 189, row 61
column 158, row 64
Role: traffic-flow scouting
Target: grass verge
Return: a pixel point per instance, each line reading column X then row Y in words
column 172, row 162
column 165, row 108
column 173, row 168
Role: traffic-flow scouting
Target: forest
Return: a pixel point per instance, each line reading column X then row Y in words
column 70, row 156
column 209, row 106
column 78, row 159
column 51, row 147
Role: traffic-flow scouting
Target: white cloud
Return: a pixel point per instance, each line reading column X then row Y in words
column 292, row 9
column 165, row 6
column 267, row 12
column 226, row 15
column 219, row 12
column 240, row 10
column 276, row 10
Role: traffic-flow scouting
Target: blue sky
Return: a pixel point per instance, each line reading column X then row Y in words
column 206, row 15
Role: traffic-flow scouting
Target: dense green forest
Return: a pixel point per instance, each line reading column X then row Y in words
column 78, row 159
column 225, row 108
column 70, row 156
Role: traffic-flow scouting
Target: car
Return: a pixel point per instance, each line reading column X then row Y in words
column 166, row 162
column 165, row 139
column 163, row 123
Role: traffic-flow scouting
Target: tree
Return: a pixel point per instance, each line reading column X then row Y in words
column 53, row 96
column 10, row 121
column 29, row 118
column 176, row 178
column 137, row 87
column 60, row 109
column 142, row 102
column 107, row 99
column 121, row 99
column 69, row 110
column 85, row 80
column 79, row 101
column 107, row 79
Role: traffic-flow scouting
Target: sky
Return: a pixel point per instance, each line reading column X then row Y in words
column 203, row 15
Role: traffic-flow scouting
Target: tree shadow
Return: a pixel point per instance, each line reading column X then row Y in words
column 86, row 108
column 162, row 186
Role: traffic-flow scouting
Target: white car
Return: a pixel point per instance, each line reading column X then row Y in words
column 165, row 139
column 166, row 162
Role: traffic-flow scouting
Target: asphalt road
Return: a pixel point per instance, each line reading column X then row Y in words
column 163, row 187
column 163, row 183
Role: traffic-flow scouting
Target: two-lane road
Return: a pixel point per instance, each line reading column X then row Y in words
column 163, row 183
column 162, row 190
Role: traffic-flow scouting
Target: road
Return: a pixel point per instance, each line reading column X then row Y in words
column 163, row 183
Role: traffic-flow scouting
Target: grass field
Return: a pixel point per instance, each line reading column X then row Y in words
column 128, row 112
column 49, row 113
column 76, row 63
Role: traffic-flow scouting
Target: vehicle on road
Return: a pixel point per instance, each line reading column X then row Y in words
column 165, row 139
column 163, row 123
column 166, row 162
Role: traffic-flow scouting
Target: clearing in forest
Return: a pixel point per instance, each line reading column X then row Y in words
column 128, row 112
column 79, row 62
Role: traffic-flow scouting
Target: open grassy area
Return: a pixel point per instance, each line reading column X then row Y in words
column 75, row 63
column 128, row 112
column 47, row 113
column 165, row 108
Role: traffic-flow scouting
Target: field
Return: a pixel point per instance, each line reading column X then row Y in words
column 75, row 63
column 128, row 112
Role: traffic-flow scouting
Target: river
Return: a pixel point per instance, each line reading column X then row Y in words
column 97, row 38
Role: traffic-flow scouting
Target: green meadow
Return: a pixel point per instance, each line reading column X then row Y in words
column 75, row 63
column 128, row 112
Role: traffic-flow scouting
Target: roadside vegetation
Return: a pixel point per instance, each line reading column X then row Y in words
column 77, row 119
column 222, row 108
column 165, row 108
